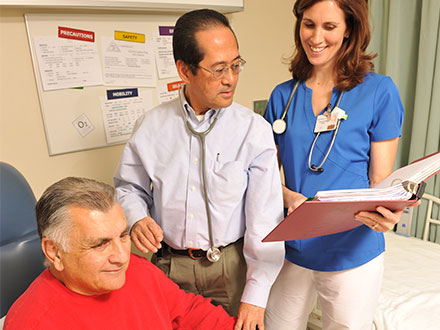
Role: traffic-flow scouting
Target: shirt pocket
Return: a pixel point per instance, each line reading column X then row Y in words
column 227, row 183
column 352, row 175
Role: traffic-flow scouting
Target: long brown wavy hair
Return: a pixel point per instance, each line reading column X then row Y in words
column 352, row 62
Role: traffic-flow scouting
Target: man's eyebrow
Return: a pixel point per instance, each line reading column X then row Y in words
column 126, row 230
column 223, row 62
column 99, row 240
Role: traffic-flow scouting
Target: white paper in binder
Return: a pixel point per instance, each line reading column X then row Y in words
column 402, row 184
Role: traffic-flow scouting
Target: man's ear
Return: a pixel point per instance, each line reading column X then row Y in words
column 184, row 71
column 52, row 252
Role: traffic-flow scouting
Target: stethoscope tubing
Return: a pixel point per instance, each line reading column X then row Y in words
column 201, row 136
column 314, row 168
column 279, row 127
column 286, row 108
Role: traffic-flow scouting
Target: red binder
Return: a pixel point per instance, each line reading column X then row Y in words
column 319, row 218
column 316, row 218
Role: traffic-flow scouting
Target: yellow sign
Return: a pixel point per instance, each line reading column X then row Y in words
column 129, row 36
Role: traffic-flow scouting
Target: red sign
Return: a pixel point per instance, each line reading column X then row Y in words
column 173, row 86
column 69, row 33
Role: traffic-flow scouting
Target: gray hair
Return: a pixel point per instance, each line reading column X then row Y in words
column 52, row 209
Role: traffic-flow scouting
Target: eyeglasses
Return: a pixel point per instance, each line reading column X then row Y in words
column 221, row 71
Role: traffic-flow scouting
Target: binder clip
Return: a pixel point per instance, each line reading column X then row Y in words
column 417, row 189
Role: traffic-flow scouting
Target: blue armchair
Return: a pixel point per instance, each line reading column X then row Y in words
column 21, row 259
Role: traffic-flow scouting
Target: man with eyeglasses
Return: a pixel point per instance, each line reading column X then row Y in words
column 199, row 178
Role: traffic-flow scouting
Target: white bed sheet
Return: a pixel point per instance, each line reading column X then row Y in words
column 410, row 296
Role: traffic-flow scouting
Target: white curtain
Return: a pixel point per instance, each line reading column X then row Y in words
column 406, row 36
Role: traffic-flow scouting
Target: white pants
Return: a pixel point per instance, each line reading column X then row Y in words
column 348, row 298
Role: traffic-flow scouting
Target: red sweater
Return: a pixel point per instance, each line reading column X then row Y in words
column 148, row 300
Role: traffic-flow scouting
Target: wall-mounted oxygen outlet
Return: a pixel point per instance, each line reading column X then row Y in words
column 260, row 106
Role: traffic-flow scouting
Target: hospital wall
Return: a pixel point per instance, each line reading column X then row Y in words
column 264, row 30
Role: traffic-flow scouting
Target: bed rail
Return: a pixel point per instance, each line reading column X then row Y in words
column 431, row 200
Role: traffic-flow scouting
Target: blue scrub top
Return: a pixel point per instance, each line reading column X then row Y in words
column 375, row 113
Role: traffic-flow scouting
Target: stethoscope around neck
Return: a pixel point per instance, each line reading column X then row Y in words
column 279, row 126
column 213, row 254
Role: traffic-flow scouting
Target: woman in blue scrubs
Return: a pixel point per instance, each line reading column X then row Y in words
column 345, row 269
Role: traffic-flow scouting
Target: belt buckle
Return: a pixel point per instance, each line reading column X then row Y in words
column 190, row 253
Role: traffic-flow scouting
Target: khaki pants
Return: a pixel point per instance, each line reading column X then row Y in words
column 222, row 281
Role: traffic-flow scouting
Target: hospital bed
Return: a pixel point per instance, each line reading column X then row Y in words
column 410, row 295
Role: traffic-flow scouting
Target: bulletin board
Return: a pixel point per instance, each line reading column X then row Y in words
column 224, row 6
column 84, row 116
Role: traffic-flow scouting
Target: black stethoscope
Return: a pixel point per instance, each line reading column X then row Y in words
column 279, row 126
column 213, row 254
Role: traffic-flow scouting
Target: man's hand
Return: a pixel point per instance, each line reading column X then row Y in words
column 249, row 317
column 147, row 235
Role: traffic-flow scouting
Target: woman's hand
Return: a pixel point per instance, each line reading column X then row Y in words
column 383, row 219
column 292, row 199
column 382, row 155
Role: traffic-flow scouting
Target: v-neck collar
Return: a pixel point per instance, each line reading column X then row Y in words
column 308, row 108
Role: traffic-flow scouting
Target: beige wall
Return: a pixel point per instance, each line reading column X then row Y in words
column 264, row 30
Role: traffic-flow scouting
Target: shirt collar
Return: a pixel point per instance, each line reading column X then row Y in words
column 191, row 114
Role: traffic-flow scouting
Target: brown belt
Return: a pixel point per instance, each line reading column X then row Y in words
column 195, row 254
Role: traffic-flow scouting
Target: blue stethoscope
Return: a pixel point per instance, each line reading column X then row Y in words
column 279, row 126
column 213, row 254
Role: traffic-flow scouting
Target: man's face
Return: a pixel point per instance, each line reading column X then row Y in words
column 99, row 251
column 203, row 91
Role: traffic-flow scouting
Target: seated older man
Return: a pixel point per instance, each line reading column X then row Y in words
column 92, row 281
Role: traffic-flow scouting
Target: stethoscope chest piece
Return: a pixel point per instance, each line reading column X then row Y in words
column 213, row 254
column 279, row 126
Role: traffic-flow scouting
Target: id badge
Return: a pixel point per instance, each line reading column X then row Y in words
column 329, row 120
column 325, row 122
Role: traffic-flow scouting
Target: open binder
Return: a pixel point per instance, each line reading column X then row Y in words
column 333, row 211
